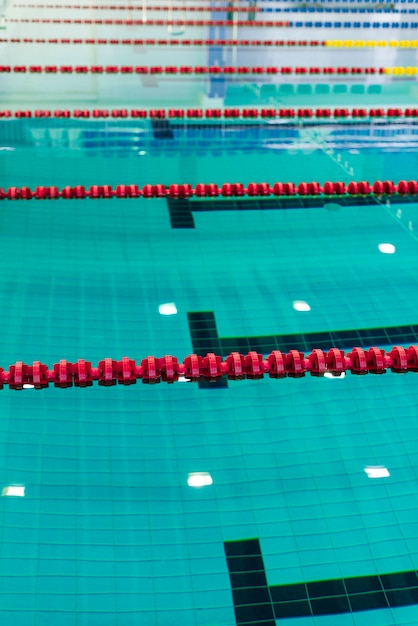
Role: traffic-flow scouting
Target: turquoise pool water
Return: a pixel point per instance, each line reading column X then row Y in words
column 109, row 532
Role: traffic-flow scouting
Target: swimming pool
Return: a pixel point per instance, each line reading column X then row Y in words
column 290, row 527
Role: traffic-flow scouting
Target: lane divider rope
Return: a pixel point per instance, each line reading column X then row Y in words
column 213, row 114
column 337, row 43
column 226, row 9
column 211, row 190
column 372, row 43
column 236, row 366
column 250, row 23
column 374, row 4
column 171, row 42
column 203, row 69
column 255, row 23
column 149, row 7
column 400, row 71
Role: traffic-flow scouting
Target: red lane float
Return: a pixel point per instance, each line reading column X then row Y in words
column 228, row 113
column 79, row 192
column 168, row 42
column 236, row 366
column 240, row 70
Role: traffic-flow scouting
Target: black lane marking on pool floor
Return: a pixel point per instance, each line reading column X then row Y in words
column 305, row 342
column 181, row 210
column 205, row 338
column 278, row 124
column 258, row 604
column 161, row 129
column 180, row 213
